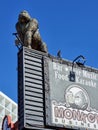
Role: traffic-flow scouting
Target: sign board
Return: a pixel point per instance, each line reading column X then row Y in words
column 54, row 95
column 70, row 104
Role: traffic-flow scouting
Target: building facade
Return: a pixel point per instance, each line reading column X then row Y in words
column 7, row 107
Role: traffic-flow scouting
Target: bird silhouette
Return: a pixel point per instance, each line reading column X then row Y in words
column 59, row 54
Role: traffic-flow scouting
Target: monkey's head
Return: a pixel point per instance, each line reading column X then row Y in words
column 24, row 16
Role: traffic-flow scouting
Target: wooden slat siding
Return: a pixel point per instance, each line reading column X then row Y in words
column 33, row 72
column 34, row 108
column 35, row 81
column 32, row 58
column 32, row 76
column 33, row 67
column 30, row 62
column 32, row 98
column 35, row 64
column 36, row 104
column 35, row 88
column 30, row 90
column 35, row 113
column 34, row 85
column 33, row 124
column 34, row 94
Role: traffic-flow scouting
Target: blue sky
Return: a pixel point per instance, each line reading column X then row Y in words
column 68, row 25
